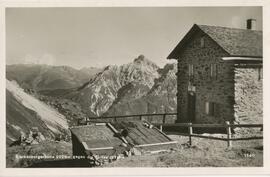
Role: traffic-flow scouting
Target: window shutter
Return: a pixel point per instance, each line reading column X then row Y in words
column 207, row 108
column 211, row 108
column 213, row 71
column 216, row 110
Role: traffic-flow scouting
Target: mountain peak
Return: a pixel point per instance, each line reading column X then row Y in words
column 141, row 59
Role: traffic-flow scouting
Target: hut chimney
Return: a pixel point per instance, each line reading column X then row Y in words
column 251, row 24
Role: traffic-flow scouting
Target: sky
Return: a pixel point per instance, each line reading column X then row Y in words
column 99, row 36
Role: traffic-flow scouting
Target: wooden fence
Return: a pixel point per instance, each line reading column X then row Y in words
column 190, row 126
column 227, row 125
column 86, row 120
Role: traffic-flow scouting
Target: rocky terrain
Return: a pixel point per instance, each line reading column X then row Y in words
column 45, row 94
column 137, row 87
column 70, row 109
column 24, row 112
column 160, row 98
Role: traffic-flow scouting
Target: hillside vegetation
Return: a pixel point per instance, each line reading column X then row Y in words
column 203, row 153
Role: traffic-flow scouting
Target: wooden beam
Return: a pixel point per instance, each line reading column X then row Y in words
column 247, row 138
column 247, row 125
column 190, row 132
column 134, row 115
column 117, row 132
column 209, row 137
column 94, row 149
column 229, row 134
column 156, row 144
column 210, row 125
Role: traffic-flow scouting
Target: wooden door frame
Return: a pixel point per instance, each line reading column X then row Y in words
column 191, row 117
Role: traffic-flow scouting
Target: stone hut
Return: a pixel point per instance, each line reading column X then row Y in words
column 219, row 75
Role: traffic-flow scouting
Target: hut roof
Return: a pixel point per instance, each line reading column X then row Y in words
column 236, row 42
column 102, row 136
column 139, row 134
column 96, row 136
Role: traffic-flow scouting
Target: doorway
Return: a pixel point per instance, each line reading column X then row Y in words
column 191, row 109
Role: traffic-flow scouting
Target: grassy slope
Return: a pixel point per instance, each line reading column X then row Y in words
column 203, row 153
column 47, row 148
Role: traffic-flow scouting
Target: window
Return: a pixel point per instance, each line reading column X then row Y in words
column 213, row 71
column 190, row 70
column 191, row 87
column 211, row 108
column 207, row 108
column 202, row 42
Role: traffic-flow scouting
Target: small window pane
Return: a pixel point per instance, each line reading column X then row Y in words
column 212, row 108
column 202, row 42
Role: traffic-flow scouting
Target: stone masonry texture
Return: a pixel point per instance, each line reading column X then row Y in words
column 235, row 90
column 248, row 105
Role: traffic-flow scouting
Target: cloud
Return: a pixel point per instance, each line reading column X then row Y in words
column 46, row 58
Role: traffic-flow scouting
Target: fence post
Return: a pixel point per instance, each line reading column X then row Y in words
column 229, row 134
column 140, row 116
column 115, row 119
column 190, row 132
column 164, row 118
column 160, row 127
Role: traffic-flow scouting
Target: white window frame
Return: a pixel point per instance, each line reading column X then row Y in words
column 211, row 106
column 207, row 109
column 190, row 70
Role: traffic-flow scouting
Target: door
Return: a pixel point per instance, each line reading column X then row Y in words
column 191, row 106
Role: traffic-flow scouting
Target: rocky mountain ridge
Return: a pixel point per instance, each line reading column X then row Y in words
column 114, row 83
column 46, row 77
column 134, row 88
column 129, row 89
column 160, row 98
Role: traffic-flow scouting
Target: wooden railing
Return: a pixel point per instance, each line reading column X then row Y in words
column 227, row 126
column 190, row 126
column 86, row 120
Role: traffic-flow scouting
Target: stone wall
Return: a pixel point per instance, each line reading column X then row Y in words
column 248, row 94
column 220, row 90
